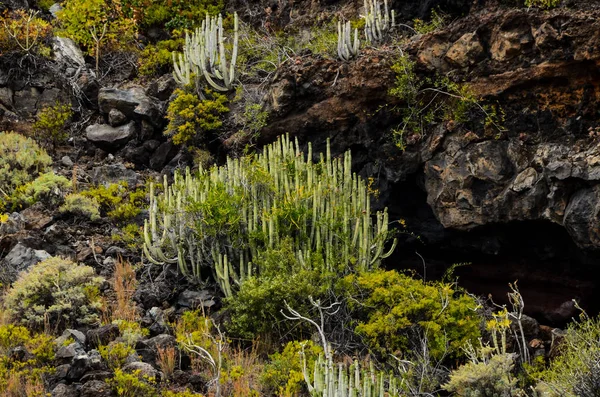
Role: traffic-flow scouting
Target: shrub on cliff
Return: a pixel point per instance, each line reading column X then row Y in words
column 57, row 292
column 21, row 160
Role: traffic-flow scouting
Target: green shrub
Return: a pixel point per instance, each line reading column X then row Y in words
column 186, row 393
column 51, row 123
column 157, row 59
column 24, row 32
column 81, row 205
column 392, row 309
column 117, row 200
column 48, row 188
column 173, row 14
column 283, row 376
column 115, row 354
column 490, row 378
column 437, row 21
column 575, row 372
column 189, row 115
column 21, row 160
column 132, row 384
column 56, row 291
column 543, row 4
column 131, row 331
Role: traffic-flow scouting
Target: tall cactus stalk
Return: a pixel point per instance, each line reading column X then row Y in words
column 223, row 218
column 377, row 23
column 204, row 54
column 347, row 49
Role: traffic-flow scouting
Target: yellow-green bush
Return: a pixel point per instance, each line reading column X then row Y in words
column 544, row 4
column 117, row 200
column 48, row 188
column 56, row 291
column 23, row 31
column 115, row 354
column 80, row 205
column 132, row 384
column 391, row 308
column 50, row 126
column 21, row 160
column 173, row 14
column 157, row 59
column 492, row 377
column 190, row 115
column 131, row 331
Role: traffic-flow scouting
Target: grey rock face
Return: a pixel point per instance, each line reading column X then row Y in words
column 113, row 173
column 67, row 52
column 110, row 138
column 133, row 103
column 20, row 258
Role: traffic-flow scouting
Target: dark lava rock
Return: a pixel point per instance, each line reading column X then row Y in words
column 110, row 138
column 96, row 388
column 62, row 390
column 103, row 335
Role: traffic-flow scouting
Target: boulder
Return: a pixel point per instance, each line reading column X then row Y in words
column 67, row 52
column 14, row 224
column 70, row 351
column 103, row 335
column 132, row 102
column 465, row 51
column 110, row 138
column 145, row 369
column 96, row 388
column 195, row 299
column 62, row 390
column 116, row 118
column 114, row 173
column 162, row 155
column 79, row 366
column 20, row 258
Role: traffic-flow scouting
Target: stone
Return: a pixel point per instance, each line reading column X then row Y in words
column 151, row 145
column 110, row 138
column 95, row 375
column 136, row 155
column 163, row 87
column 116, row 118
column 132, row 102
column 20, row 258
column 25, row 101
column 14, row 224
column 66, row 161
column 195, row 299
column 79, row 366
column 114, row 173
column 144, row 368
column 96, row 388
column 466, row 51
column 510, row 44
column 76, row 335
column 70, row 351
column 115, row 251
column 62, row 371
column 55, row 9
column 102, row 335
column 163, row 154
column 62, row 390
column 581, row 217
column 67, row 52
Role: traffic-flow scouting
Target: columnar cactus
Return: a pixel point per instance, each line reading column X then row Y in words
column 347, row 48
column 222, row 218
column 376, row 22
column 204, row 54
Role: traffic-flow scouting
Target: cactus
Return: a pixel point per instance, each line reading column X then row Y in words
column 204, row 54
column 347, row 49
column 224, row 217
column 377, row 23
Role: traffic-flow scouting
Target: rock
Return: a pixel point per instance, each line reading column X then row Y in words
column 132, row 102
column 96, row 388
column 466, row 51
column 19, row 353
column 102, row 335
column 510, row 44
column 76, row 335
column 25, row 101
column 161, row 342
column 20, row 258
column 581, row 217
column 114, row 173
column 14, row 224
column 79, row 366
column 62, row 390
column 136, row 155
column 116, row 118
column 66, row 161
column 531, row 327
column 62, row 371
column 95, row 375
column 67, row 52
column 163, row 87
column 115, row 252
column 70, row 351
column 145, row 369
column 55, row 9
column 151, row 145
column 163, row 154
column 110, row 138
column 195, row 299
column 159, row 325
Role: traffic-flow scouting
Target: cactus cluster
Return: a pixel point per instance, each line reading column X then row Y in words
column 352, row 381
column 347, row 49
column 204, row 54
column 377, row 23
column 222, row 218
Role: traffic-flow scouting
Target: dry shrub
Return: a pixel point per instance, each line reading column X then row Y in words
column 167, row 359
column 124, row 284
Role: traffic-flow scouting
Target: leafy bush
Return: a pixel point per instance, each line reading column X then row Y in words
column 22, row 31
column 131, row 331
column 51, row 123
column 543, row 4
column 157, row 59
column 48, row 188
column 133, row 384
column 56, row 291
column 392, row 308
column 283, row 375
column 78, row 204
column 575, row 372
column 117, row 201
column 21, row 160
column 489, row 378
column 173, row 14
column 189, row 115
column 436, row 22
column 115, row 354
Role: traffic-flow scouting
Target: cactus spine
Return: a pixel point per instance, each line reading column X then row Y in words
column 224, row 217
column 204, row 54
column 377, row 23
column 347, row 49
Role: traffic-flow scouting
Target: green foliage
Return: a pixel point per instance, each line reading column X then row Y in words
column 48, row 188
column 436, row 21
column 12, row 336
column 115, row 354
column 117, row 200
column 227, row 217
column 173, row 14
column 131, row 331
column 24, row 32
column 189, row 115
column 86, row 21
column 78, row 204
column 283, row 375
column 575, row 372
column 543, row 4
column 256, row 308
column 133, row 384
column 392, row 308
column 130, row 235
column 255, row 119
column 186, row 393
column 194, row 327
column 51, row 122
column 489, row 378
column 57, row 291
column 426, row 100
column 156, row 59
column 21, row 160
